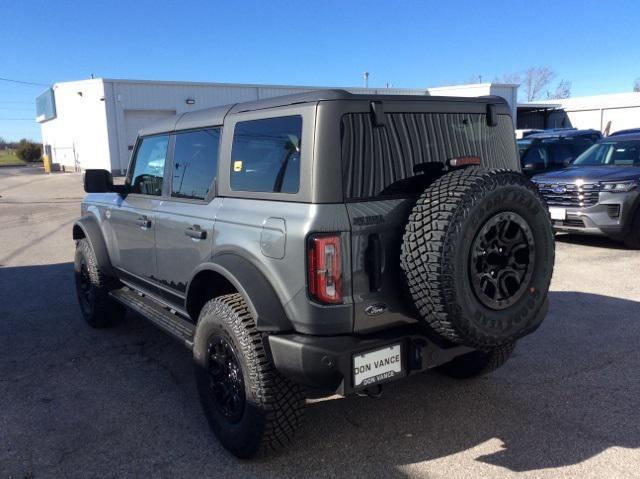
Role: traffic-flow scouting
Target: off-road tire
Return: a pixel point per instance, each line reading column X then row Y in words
column 477, row 363
column 92, row 288
column 273, row 404
column 632, row 238
column 436, row 256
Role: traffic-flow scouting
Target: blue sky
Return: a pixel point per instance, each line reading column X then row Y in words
column 593, row 44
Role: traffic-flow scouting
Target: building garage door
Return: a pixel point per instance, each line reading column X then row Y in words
column 134, row 120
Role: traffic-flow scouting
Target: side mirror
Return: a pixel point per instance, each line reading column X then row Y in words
column 98, row 181
column 101, row 181
column 567, row 161
column 533, row 167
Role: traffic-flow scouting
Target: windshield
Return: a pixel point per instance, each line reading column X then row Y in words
column 611, row 153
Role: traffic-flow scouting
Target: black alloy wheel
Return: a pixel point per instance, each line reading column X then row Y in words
column 84, row 288
column 502, row 259
column 226, row 381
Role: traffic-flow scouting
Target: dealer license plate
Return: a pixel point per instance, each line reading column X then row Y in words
column 377, row 366
column 558, row 213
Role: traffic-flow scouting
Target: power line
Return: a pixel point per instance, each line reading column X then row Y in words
column 23, row 82
column 20, row 102
column 17, row 119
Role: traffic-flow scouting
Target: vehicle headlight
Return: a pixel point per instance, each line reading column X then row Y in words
column 619, row 186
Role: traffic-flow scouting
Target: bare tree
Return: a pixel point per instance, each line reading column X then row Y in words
column 563, row 90
column 636, row 85
column 513, row 78
column 536, row 80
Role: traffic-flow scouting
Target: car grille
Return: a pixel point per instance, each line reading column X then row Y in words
column 570, row 194
column 576, row 223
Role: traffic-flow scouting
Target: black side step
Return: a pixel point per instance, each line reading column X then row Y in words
column 157, row 313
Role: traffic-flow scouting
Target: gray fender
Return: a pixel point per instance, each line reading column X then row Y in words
column 255, row 288
column 262, row 300
column 88, row 227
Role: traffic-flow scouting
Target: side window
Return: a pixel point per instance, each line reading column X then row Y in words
column 148, row 166
column 265, row 155
column 195, row 163
column 536, row 155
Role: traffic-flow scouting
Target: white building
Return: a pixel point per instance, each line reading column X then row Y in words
column 607, row 113
column 94, row 123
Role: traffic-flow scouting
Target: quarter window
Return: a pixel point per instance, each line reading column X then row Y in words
column 195, row 163
column 265, row 155
column 148, row 169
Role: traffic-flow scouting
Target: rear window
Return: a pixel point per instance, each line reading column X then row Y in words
column 382, row 161
column 265, row 155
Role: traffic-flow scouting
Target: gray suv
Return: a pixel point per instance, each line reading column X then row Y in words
column 600, row 192
column 318, row 244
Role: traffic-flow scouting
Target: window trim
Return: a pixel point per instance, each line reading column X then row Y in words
column 213, row 188
column 235, row 126
column 134, row 158
column 305, row 193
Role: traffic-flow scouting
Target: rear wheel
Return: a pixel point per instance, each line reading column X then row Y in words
column 477, row 363
column 478, row 255
column 92, row 288
column 251, row 408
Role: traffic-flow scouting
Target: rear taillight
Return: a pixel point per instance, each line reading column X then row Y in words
column 325, row 271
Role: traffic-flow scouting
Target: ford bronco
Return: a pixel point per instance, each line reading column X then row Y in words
column 317, row 244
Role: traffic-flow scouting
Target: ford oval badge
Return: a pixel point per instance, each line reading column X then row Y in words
column 375, row 309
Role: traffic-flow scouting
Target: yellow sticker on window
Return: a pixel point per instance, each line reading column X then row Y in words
column 237, row 166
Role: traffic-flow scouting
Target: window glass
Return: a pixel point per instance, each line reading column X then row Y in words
column 621, row 153
column 536, row 155
column 148, row 168
column 265, row 155
column 195, row 163
column 396, row 159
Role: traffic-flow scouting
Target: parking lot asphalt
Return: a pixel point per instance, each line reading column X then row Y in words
column 76, row 402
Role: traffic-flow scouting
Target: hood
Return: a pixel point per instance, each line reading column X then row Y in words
column 590, row 174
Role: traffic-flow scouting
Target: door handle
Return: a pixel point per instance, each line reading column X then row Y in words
column 195, row 232
column 143, row 222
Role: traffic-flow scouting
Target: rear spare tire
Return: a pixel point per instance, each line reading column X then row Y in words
column 477, row 255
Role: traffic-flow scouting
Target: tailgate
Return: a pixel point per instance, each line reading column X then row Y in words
column 378, row 289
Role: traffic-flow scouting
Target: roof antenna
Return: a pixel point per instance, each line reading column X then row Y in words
column 366, row 79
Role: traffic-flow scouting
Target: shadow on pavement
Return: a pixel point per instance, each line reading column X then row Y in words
column 83, row 402
column 591, row 240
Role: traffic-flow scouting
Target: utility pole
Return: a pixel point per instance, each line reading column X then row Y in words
column 366, row 79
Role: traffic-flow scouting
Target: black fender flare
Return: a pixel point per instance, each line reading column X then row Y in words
column 257, row 291
column 88, row 227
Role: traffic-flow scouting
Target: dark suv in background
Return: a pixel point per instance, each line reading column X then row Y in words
column 554, row 149
column 600, row 192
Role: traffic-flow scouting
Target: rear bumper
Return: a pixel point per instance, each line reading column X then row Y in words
column 326, row 363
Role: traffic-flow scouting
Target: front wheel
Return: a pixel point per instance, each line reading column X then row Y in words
column 251, row 408
column 92, row 288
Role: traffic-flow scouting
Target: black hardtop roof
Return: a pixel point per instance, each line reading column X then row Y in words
column 215, row 116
